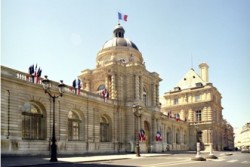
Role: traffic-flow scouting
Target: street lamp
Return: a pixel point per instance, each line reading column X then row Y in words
column 211, row 155
column 46, row 86
column 198, row 157
column 137, row 110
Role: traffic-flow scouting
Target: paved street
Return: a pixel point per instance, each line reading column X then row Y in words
column 178, row 160
column 225, row 159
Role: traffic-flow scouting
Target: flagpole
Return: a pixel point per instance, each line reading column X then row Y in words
column 118, row 18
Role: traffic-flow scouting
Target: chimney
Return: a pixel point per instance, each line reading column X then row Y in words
column 204, row 71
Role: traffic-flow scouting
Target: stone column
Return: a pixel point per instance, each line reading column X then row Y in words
column 190, row 115
column 87, row 88
column 153, row 94
column 120, row 89
column 157, row 95
column 204, row 114
column 182, row 115
column 141, row 87
column 107, row 82
column 209, row 114
column 137, row 87
column 113, row 87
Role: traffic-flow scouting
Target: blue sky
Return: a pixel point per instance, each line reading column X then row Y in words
column 64, row 36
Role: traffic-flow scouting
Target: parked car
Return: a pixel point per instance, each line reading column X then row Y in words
column 245, row 150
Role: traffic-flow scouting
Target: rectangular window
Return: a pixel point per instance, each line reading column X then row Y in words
column 32, row 127
column 104, row 132
column 197, row 98
column 176, row 101
column 198, row 116
column 73, row 129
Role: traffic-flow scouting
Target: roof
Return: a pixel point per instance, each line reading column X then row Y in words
column 118, row 39
column 190, row 79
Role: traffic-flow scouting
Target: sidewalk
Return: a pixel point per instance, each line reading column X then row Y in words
column 11, row 161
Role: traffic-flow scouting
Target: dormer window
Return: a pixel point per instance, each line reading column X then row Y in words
column 199, row 84
column 177, row 88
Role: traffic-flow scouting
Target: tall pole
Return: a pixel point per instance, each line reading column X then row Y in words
column 53, row 145
column 198, row 157
column 46, row 86
column 137, row 113
column 211, row 155
column 137, row 139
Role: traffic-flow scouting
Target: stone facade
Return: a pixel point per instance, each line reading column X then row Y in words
column 197, row 101
column 243, row 138
column 88, row 122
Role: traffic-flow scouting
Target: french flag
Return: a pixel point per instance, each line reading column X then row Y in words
column 77, row 85
column 122, row 16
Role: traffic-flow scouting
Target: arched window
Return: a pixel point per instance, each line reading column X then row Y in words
column 185, row 137
column 105, row 130
column 33, row 122
column 73, row 126
column 169, row 136
column 178, row 137
column 100, row 89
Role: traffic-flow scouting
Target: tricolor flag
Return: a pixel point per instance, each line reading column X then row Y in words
column 105, row 94
column 177, row 117
column 169, row 114
column 142, row 135
column 122, row 16
column 158, row 136
column 34, row 74
column 77, row 86
column 38, row 74
column 31, row 69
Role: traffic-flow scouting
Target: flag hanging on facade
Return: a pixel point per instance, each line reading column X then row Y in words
column 158, row 136
column 122, row 16
column 169, row 114
column 31, row 69
column 105, row 94
column 37, row 76
column 142, row 135
column 177, row 117
column 34, row 74
column 77, row 86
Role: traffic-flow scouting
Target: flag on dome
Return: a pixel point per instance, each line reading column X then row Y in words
column 122, row 16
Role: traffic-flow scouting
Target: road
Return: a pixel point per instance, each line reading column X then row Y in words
column 237, row 159
column 231, row 159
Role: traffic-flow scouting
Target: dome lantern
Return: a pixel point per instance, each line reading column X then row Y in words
column 119, row 31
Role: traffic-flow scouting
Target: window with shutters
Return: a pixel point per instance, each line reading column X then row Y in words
column 33, row 122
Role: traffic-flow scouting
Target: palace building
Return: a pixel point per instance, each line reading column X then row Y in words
column 197, row 101
column 117, row 106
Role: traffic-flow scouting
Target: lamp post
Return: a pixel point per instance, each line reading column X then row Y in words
column 211, row 155
column 46, row 86
column 198, row 157
column 137, row 110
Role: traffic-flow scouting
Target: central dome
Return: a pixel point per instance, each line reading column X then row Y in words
column 119, row 40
